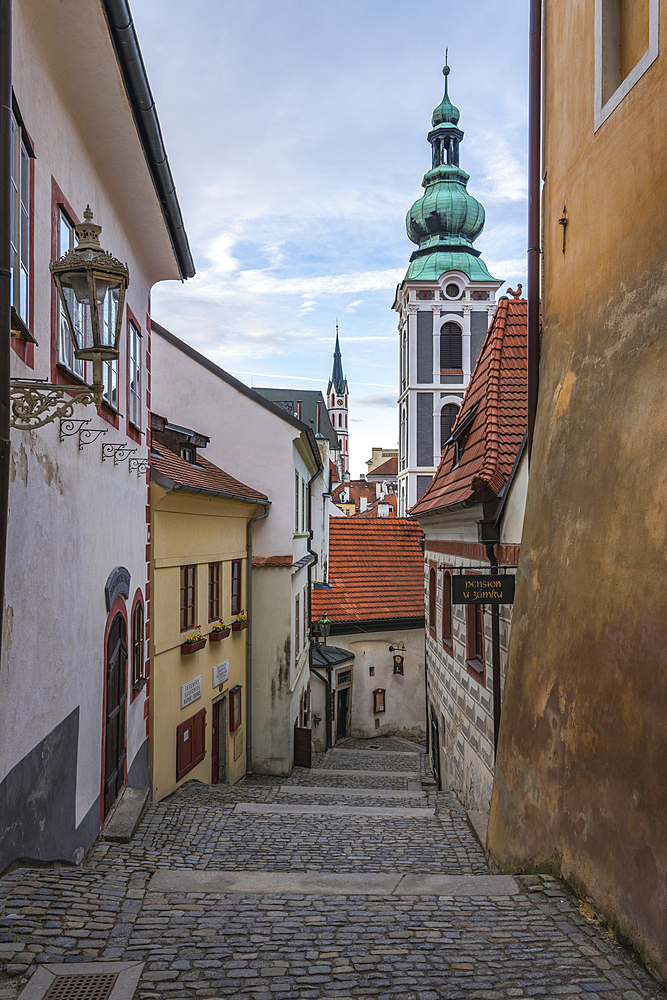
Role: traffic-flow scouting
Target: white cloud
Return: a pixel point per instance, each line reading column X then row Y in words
column 382, row 399
column 351, row 307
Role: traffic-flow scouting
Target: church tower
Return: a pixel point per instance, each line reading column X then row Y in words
column 445, row 304
column 337, row 407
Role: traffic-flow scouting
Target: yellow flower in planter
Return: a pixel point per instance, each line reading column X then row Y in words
column 197, row 637
column 219, row 627
column 242, row 617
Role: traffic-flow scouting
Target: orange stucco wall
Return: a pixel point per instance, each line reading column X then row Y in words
column 581, row 777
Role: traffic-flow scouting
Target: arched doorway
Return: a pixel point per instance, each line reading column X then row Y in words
column 116, row 698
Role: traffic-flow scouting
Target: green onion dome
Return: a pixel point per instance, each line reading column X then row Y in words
column 446, row 113
column 446, row 215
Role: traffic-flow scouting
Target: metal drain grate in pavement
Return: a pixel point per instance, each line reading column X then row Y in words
column 86, row 987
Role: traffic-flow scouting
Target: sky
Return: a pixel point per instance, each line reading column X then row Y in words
column 296, row 134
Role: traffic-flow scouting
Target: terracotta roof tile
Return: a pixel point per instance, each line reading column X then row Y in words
column 202, row 476
column 373, row 508
column 376, row 570
column 498, row 389
column 388, row 468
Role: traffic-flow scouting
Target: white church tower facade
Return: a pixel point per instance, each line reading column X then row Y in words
column 337, row 401
column 445, row 305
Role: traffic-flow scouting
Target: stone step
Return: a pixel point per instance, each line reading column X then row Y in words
column 316, row 809
column 367, row 772
column 122, row 822
column 376, row 753
column 374, row 793
column 331, row 883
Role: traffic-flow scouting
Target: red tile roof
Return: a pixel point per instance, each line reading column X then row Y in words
column 202, row 476
column 388, row 468
column 498, row 389
column 376, row 571
column 372, row 509
column 357, row 488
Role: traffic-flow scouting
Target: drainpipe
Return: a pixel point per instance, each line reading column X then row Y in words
column 310, row 568
column 5, row 289
column 259, row 517
column 534, row 196
column 495, row 652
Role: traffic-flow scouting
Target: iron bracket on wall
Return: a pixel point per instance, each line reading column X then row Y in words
column 140, row 465
column 119, row 452
column 36, row 402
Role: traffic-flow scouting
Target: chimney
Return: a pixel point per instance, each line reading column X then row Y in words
column 364, row 504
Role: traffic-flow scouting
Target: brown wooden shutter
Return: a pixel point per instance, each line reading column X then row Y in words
column 199, row 727
column 184, row 749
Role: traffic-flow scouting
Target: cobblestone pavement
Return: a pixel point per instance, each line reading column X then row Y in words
column 311, row 946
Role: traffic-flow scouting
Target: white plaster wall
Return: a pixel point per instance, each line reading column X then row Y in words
column 405, row 698
column 72, row 518
column 248, row 441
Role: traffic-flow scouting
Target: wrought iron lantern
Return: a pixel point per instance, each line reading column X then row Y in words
column 91, row 286
column 322, row 628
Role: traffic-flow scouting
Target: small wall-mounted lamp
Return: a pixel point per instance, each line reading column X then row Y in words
column 398, row 657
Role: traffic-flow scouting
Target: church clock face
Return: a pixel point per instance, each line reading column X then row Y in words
column 340, row 402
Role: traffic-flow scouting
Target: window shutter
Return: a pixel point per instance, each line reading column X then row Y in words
column 184, row 749
column 199, row 728
column 451, row 346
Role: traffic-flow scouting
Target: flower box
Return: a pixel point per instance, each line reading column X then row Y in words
column 192, row 647
column 220, row 634
column 239, row 626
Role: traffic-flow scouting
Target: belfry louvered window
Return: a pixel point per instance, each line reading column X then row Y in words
column 451, row 350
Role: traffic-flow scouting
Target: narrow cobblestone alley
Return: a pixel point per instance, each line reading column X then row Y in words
column 369, row 887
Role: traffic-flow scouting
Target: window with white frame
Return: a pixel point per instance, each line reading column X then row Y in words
column 108, row 313
column 305, row 615
column 626, row 44
column 296, row 501
column 64, row 243
column 297, row 623
column 19, row 221
column 134, row 401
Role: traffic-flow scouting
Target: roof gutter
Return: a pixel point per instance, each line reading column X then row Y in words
column 534, row 197
column 133, row 71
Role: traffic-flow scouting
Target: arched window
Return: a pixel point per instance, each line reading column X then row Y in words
column 431, row 600
column 447, row 609
column 137, row 643
column 448, row 415
column 451, row 349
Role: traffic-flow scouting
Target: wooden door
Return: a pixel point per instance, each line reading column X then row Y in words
column 219, row 742
column 302, row 747
column 342, row 713
column 215, row 736
column 114, row 751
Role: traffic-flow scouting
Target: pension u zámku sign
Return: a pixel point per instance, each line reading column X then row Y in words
column 483, row 589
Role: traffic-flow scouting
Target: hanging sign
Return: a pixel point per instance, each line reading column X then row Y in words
column 483, row 589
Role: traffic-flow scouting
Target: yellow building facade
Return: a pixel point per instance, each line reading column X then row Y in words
column 582, row 758
column 199, row 586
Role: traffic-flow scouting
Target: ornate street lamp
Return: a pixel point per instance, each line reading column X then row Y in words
column 322, row 628
column 91, row 286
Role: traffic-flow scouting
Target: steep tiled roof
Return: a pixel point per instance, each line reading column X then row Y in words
column 356, row 489
column 373, row 508
column 376, row 571
column 388, row 469
column 498, row 389
column 202, row 476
